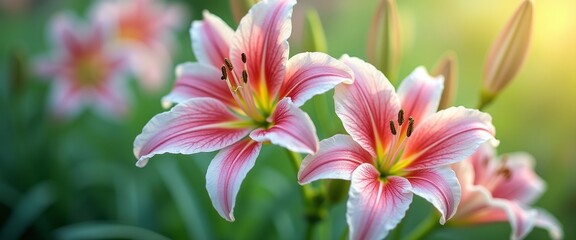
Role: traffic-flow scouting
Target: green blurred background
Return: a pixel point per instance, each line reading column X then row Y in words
column 77, row 179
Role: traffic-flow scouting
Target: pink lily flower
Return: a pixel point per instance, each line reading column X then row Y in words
column 86, row 72
column 144, row 31
column 502, row 189
column 398, row 146
column 242, row 85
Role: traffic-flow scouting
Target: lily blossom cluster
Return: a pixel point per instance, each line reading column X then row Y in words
column 86, row 71
column 398, row 145
column 243, row 92
column 500, row 189
column 91, row 61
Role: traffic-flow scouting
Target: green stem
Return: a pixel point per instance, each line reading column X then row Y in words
column 425, row 228
column 313, row 199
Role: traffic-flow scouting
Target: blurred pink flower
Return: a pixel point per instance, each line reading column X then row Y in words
column 84, row 70
column 144, row 30
column 502, row 189
column 398, row 146
column 243, row 84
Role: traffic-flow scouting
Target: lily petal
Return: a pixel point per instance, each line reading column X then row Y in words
column 60, row 31
column 211, row 39
column 366, row 106
column 482, row 164
column 522, row 185
column 263, row 36
column 197, row 125
column 420, row 94
column 375, row 207
column 194, row 80
column 309, row 74
column 291, row 128
column 336, row 158
column 227, row 171
column 521, row 219
column 438, row 186
column 547, row 221
column 446, row 137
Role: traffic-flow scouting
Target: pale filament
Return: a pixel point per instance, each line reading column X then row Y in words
column 240, row 90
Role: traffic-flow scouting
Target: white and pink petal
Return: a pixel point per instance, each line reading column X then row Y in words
column 449, row 136
column 291, row 128
column 309, row 74
column 546, row 221
column 211, row 39
column 419, row 94
column 521, row 219
column 226, row 173
column 197, row 125
column 438, row 186
column 522, row 184
column 263, row 36
column 195, row 80
column 375, row 206
column 336, row 158
column 367, row 106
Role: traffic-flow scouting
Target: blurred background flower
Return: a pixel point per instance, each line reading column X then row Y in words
column 143, row 30
column 83, row 69
column 78, row 180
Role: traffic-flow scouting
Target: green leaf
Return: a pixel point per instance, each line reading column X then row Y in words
column 192, row 212
column 93, row 230
column 28, row 209
column 314, row 37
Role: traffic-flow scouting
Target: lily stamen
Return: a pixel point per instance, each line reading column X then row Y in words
column 398, row 142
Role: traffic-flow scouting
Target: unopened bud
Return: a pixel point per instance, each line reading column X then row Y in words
column 508, row 52
column 383, row 47
column 447, row 67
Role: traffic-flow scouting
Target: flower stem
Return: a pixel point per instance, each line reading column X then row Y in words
column 313, row 199
column 425, row 228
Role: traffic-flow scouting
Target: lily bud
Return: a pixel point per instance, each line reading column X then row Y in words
column 383, row 47
column 447, row 67
column 314, row 38
column 508, row 52
column 239, row 8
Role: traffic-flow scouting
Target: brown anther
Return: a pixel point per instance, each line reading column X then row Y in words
column 243, row 57
column 224, row 73
column 228, row 64
column 410, row 127
column 505, row 172
column 400, row 117
column 392, row 128
column 244, row 76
